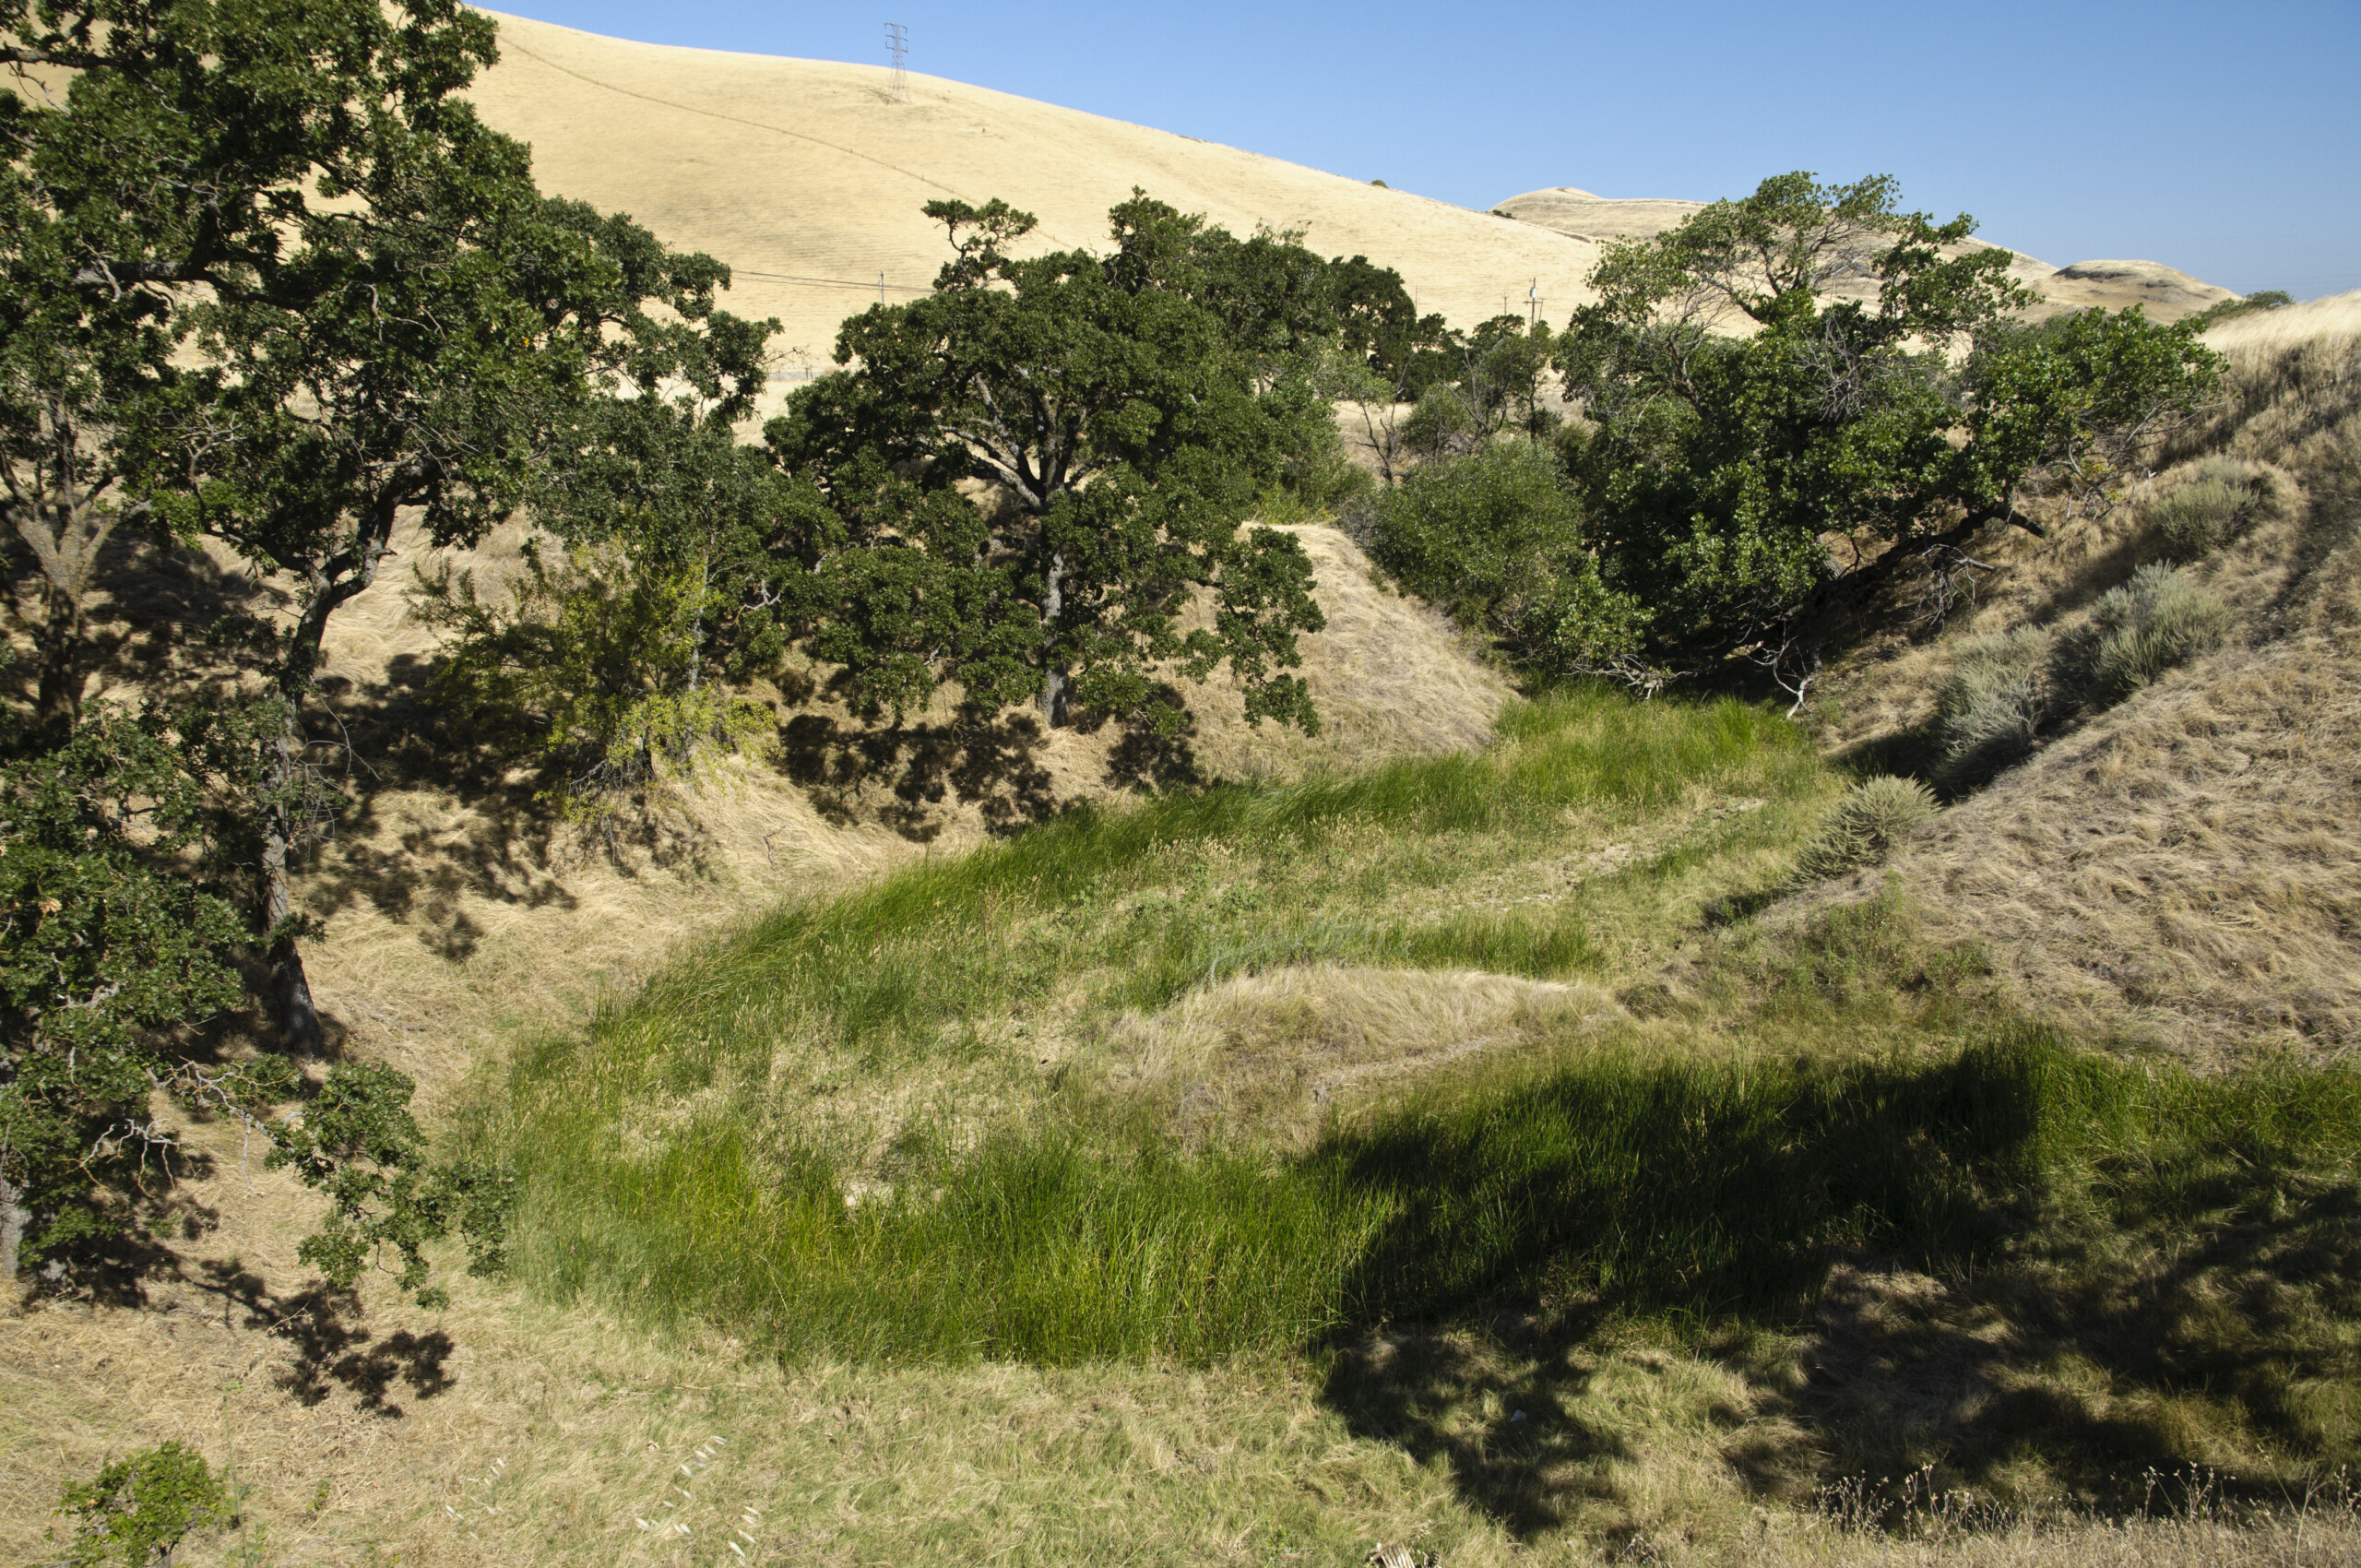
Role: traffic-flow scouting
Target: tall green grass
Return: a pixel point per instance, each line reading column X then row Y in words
column 667, row 1161
column 892, row 968
column 1697, row 1189
column 665, row 1167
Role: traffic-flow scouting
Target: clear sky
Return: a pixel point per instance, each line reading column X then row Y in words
column 2221, row 139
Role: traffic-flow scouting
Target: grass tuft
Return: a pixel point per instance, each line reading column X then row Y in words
column 2161, row 618
column 1866, row 825
column 1992, row 708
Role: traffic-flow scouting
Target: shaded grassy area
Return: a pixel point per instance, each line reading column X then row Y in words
column 723, row 1113
column 1911, row 1228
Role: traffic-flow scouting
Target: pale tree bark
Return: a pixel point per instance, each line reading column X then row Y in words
column 63, row 519
column 14, row 1218
column 291, row 988
column 1053, row 675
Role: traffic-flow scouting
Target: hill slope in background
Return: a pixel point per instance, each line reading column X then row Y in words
column 2168, row 294
column 808, row 177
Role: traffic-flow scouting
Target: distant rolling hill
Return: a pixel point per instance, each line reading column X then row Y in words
column 808, row 177
column 2167, row 295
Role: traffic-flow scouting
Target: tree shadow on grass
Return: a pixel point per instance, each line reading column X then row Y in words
column 1497, row 1405
column 332, row 1349
column 907, row 776
column 1884, row 1257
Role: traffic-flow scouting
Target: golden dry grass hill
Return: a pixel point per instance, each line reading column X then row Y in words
column 808, row 177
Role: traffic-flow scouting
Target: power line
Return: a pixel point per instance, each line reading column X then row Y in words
column 880, row 285
column 898, row 41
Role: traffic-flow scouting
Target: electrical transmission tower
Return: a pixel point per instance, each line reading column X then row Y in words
column 897, row 41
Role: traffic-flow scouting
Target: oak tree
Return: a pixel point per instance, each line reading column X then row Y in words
column 1116, row 415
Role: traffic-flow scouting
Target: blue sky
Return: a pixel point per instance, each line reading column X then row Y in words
column 2224, row 140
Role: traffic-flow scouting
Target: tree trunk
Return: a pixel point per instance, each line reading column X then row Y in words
column 1053, row 675
column 290, row 988
column 13, row 1218
column 58, row 700
column 65, row 536
column 284, row 783
column 332, row 582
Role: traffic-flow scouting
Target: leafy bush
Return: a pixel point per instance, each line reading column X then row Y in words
column 1496, row 538
column 1718, row 470
column 358, row 1143
column 2224, row 310
column 598, row 668
column 2207, row 512
column 1864, row 826
column 1993, row 703
column 140, row 1509
column 115, row 939
column 2157, row 620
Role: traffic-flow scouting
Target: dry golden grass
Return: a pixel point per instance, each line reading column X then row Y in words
column 1390, row 675
column 2322, row 327
column 1268, row 1057
column 2184, row 868
column 797, row 172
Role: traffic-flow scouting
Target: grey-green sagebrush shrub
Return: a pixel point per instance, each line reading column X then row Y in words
column 2161, row 618
column 137, row 1511
column 2208, row 512
column 1990, row 711
column 1496, row 538
column 1864, row 826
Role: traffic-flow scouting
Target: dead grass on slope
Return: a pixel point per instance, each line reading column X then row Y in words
column 1270, row 1057
column 2184, row 867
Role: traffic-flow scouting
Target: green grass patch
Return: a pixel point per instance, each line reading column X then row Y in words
column 835, row 1136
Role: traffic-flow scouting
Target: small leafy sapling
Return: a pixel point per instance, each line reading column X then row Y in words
column 137, row 1511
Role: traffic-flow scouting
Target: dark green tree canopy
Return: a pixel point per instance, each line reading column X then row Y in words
column 265, row 278
column 312, row 292
column 1786, row 395
column 1115, row 416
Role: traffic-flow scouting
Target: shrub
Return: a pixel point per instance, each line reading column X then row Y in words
column 599, row 669
column 1863, row 828
column 2207, row 512
column 140, row 1509
column 1496, row 538
column 2157, row 620
column 1993, row 703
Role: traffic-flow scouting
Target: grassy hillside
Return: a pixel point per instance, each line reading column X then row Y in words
column 2180, row 864
column 1885, row 1224
column 1433, row 1154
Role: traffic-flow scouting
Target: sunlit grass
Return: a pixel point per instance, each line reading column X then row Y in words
column 874, row 1128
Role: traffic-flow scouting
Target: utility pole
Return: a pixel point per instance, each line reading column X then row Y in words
column 1533, row 304
column 897, row 42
